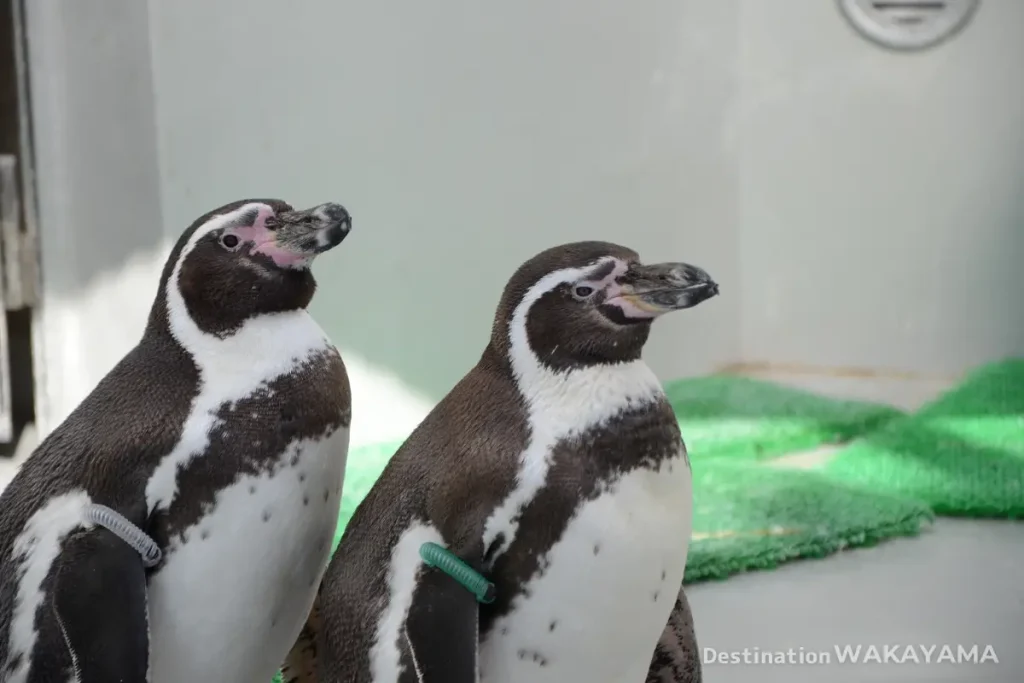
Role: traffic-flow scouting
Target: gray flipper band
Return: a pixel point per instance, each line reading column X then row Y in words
column 119, row 525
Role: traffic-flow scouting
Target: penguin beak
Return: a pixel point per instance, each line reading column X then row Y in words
column 313, row 231
column 292, row 239
column 648, row 291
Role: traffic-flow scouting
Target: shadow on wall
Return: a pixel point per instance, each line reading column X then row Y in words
column 95, row 139
column 98, row 186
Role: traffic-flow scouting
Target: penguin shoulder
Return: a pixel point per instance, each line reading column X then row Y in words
column 461, row 460
column 131, row 418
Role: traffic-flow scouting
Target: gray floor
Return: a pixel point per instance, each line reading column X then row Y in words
column 958, row 585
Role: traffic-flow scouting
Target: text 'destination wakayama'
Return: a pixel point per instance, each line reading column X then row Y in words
column 857, row 654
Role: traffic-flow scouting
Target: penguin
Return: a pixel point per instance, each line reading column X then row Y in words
column 555, row 469
column 175, row 526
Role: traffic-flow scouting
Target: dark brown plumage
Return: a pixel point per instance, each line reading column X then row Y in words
column 111, row 444
column 463, row 459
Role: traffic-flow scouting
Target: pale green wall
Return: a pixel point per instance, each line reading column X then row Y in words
column 464, row 137
column 882, row 195
column 858, row 207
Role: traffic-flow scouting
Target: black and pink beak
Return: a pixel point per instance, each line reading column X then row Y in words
column 648, row 291
column 312, row 231
column 294, row 238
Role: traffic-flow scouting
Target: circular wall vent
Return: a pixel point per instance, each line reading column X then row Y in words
column 908, row 24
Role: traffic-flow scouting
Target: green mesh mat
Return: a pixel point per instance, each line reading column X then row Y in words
column 737, row 417
column 752, row 516
column 963, row 454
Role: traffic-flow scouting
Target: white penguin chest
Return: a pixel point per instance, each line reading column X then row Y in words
column 231, row 598
column 596, row 611
column 237, row 582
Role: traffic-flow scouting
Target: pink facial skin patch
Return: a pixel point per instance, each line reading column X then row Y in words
column 616, row 295
column 264, row 241
column 634, row 307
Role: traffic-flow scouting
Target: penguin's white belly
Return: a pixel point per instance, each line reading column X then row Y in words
column 231, row 599
column 597, row 611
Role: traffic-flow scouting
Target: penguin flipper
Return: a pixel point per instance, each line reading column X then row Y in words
column 441, row 640
column 100, row 606
column 676, row 658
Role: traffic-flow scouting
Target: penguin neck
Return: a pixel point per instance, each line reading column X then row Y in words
column 584, row 395
column 262, row 347
column 158, row 327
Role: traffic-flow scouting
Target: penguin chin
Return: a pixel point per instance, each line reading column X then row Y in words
column 283, row 257
column 623, row 316
column 273, row 268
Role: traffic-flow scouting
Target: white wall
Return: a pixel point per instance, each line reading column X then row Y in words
column 882, row 194
column 858, row 207
column 98, row 189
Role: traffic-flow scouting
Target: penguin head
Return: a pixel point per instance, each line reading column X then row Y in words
column 588, row 303
column 249, row 258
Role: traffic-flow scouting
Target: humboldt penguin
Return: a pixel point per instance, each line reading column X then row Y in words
column 176, row 525
column 555, row 472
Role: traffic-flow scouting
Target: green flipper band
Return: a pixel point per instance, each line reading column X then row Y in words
column 470, row 579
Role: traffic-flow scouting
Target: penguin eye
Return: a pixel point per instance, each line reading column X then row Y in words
column 582, row 291
column 229, row 241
